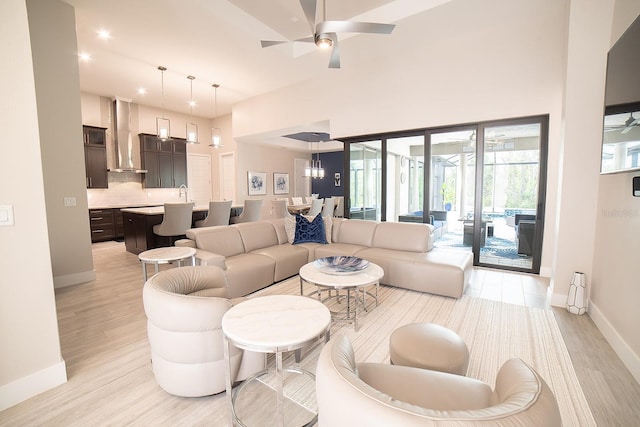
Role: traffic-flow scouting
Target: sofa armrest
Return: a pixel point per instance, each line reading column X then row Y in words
column 185, row 243
column 210, row 258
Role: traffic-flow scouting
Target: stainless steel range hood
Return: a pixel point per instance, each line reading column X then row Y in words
column 123, row 139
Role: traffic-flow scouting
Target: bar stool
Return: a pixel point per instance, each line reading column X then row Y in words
column 176, row 221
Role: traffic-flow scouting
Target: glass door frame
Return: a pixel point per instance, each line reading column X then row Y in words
column 536, row 256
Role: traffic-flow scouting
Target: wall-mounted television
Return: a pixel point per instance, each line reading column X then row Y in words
column 621, row 136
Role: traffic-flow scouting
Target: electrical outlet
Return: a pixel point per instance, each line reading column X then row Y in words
column 6, row 215
column 69, row 201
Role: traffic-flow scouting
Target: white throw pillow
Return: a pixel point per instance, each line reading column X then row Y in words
column 290, row 226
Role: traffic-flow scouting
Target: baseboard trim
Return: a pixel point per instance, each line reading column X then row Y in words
column 630, row 359
column 73, row 279
column 558, row 300
column 33, row 384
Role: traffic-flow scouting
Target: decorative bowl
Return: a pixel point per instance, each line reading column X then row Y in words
column 341, row 264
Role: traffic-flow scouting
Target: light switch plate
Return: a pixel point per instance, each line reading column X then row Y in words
column 6, row 215
column 69, row 201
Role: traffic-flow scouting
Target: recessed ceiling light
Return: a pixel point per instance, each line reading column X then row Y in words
column 192, row 103
column 84, row 56
column 104, row 34
column 142, row 91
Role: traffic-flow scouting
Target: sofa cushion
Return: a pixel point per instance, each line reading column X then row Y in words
column 356, row 232
column 257, row 235
column 334, row 249
column 222, row 240
column 247, row 273
column 411, row 237
column 288, row 259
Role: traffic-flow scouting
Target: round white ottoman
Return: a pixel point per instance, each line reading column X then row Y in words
column 429, row 346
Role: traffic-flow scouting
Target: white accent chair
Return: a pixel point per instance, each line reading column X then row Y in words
column 328, row 207
column 316, row 207
column 251, row 212
column 184, row 308
column 219, row 214
column 338, row 211
column 391, row 395
column 175, row 222
column 296, row 201
column 279, row 209
column 310, row 199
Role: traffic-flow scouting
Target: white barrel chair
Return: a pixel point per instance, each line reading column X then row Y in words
column 184, row 308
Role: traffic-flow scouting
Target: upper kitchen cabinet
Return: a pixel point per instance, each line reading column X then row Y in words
column 94, row 136
column 95, row 156
column 179, row 162
column 165, row 161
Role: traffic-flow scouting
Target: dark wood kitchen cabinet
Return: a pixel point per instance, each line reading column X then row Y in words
column 101, row 224
column 165, row 161
column 95, row 156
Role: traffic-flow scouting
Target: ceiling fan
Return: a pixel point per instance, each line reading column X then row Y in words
column 630, row 122
column 325, row 32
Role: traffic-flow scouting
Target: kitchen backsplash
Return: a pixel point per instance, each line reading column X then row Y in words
column 125, row 189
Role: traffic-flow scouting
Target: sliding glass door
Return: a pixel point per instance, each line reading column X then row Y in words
column 365, row 180
column 510, row 197
column 405, row 178
column 481, row 186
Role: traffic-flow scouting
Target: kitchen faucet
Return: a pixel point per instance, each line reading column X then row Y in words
column 183, row 189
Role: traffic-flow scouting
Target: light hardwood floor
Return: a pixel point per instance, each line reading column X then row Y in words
column 103, row 337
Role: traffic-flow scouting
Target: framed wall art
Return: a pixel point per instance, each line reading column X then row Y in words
column 257, row 183
column 280, row 183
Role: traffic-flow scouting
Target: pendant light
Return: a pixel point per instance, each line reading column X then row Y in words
column 315, row 170
column 216, row 134
column 162, row 124
column 192, row 128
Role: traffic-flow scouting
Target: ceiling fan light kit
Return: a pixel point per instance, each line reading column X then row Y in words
column 325, row 33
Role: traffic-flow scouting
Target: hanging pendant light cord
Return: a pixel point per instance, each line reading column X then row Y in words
column 162, row 70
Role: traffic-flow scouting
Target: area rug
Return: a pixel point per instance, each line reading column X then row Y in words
column 494, row 246
column 493, row 331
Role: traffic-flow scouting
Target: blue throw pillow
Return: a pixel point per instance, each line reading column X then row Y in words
column 310, row 232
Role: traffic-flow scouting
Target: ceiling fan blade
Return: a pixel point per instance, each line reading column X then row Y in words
column 269, row 43
column 334, row 61
column 630, row 123
column 309, row 8
column 353, row 27
column 310, row 39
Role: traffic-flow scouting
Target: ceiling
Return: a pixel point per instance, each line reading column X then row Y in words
column 217, row 41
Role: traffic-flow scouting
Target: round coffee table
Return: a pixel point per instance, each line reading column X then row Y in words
column 358, row 281
column 164, row 256
column 273, row 324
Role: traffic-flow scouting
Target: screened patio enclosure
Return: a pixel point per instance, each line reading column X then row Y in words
column 493, row 207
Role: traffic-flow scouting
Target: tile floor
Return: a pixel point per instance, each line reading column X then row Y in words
column 515, row 288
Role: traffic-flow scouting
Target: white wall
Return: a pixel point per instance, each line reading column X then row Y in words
column 31, row 361
column 57, row 83
column 614, row 284
column 259, row 158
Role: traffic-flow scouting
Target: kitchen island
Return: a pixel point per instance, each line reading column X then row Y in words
column 139, row 222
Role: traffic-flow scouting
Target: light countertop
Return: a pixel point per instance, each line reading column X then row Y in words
column 159, row 210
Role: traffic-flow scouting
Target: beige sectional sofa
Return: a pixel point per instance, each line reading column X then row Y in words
column 257, row 254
